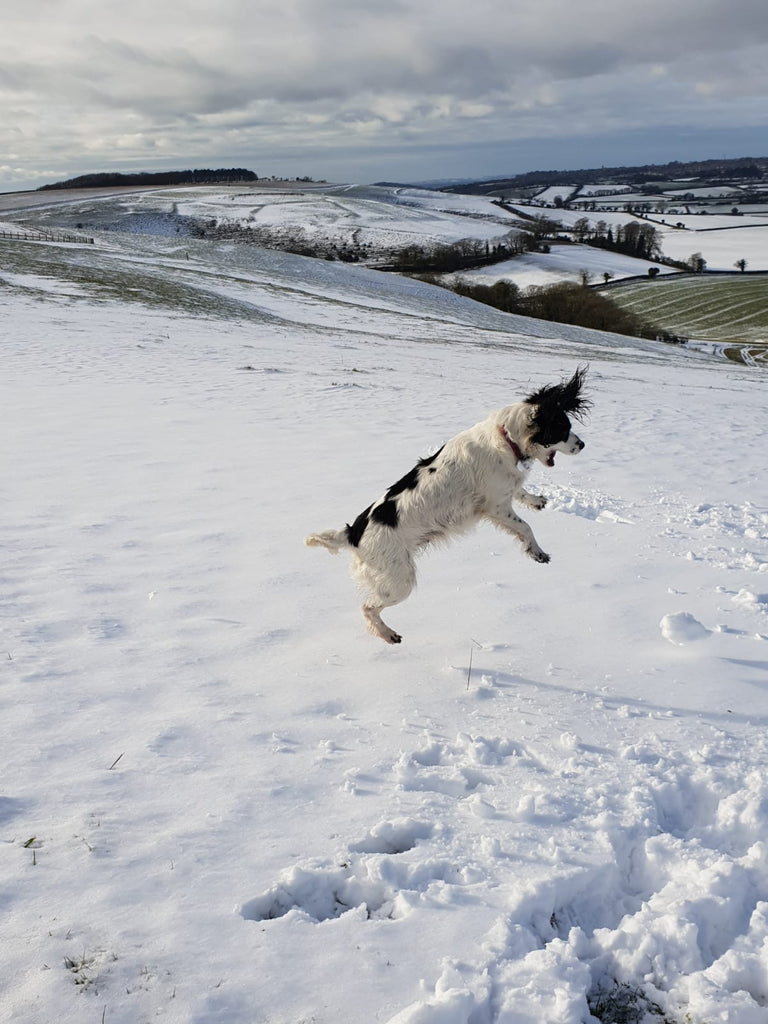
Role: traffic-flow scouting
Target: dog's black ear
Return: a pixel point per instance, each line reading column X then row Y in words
column 573, row 401
column 565, row 397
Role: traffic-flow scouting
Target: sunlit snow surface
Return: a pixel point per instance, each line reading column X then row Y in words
column 223, row 801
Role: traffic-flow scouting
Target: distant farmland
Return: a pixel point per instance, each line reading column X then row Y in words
column 729, row 311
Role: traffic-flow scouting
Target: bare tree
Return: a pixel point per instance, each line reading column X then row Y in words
column 696, row 263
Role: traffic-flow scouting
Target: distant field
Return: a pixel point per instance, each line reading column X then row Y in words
column 731, row 312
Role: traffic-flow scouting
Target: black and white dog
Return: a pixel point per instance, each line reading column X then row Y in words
column 476, row 475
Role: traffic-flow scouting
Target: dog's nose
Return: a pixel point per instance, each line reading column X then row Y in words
column 580, row 443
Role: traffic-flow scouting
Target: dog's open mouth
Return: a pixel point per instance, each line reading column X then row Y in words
column 550, row 458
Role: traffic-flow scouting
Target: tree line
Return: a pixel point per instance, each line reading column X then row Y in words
column 446, row 257
column 564, row 302
column 110, row 179
column 639, row 240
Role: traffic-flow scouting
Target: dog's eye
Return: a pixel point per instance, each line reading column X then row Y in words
column 553, row 431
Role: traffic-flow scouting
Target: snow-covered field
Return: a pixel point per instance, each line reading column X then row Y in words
column 604, row 189
column 563, row 263
column 222, row 801
column 709, row 192
column 720, row 238
column 380, row 218
column 568, row 217
column 554, row 192
column 366, row 215
column 721, row 247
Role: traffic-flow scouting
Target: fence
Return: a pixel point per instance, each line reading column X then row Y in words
column 45, row 236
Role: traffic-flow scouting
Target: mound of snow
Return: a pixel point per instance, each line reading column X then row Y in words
column 682, row 628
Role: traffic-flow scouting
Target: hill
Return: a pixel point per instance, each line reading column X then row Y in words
column 494, row 249
column 223, row 801
column 745, row 169
column 109, row 179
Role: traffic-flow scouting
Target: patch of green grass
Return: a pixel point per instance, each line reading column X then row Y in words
column 730, row 311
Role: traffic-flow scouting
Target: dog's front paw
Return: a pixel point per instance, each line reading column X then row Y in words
column 534, row 501
column 538, row 555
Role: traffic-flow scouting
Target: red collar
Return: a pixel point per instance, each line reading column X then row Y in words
column 515, row 449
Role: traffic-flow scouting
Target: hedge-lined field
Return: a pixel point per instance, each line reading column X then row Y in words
column 731, row 311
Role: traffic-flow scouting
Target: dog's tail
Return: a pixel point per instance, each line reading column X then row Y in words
column 332, row 540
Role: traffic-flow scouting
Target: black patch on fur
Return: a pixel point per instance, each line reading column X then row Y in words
column 411, row 479
column 550, row 427
column 386, row 513
column 430, row 458
column 357, row 529
column 406, row 483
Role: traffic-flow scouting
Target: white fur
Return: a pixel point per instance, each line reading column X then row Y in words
column 476, row 475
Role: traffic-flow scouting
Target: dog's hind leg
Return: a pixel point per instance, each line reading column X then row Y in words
column 378, row 626
column 386, row 587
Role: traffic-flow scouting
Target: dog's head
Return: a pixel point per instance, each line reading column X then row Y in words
column 549, row 427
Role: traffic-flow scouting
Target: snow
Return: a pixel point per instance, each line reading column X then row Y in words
column 371, row 215
column 708, row 192
column 563, row 263
column 550, row 195
column 569, row 217
column 682, row 628
column 602, row 189
column 721, row 241
column 223, row 801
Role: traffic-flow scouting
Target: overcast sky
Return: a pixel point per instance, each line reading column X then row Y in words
column 365, row 90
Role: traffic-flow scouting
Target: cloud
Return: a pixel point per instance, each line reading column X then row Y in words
column 194, row 80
